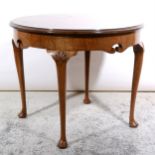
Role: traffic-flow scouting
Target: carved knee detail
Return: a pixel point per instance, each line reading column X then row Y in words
column 138, row 48
column 63, row 56
column 60, row 56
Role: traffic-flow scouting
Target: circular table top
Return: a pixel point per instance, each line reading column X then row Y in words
column 75, row 24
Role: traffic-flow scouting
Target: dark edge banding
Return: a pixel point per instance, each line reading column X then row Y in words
column 73, row 32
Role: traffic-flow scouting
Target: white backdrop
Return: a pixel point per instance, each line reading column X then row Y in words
column 108, row 72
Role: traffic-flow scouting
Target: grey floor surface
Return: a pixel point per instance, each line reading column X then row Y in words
column 100, row 128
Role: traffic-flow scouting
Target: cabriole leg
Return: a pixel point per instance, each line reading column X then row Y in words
column 87, row 66
column 18, row 54
column 138, row 52
column 61, row 60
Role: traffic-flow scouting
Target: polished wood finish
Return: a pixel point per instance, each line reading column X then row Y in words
column 56, row 43
column 73, row 25
column 63, row 42
column 61, row 60
column 87, row 66
column 18, row 54
column 138, row 52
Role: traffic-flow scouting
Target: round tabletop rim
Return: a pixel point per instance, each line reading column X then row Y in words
column 55, row 31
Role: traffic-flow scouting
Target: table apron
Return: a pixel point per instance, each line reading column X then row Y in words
column 107, row 43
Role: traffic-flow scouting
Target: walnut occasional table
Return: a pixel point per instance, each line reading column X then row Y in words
column 66, row 35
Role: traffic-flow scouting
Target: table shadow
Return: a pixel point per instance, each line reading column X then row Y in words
column 105, row 107
column 75, row 71
column 54, row 103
